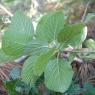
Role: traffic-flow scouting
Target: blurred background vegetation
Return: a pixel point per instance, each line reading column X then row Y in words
column 75, row 10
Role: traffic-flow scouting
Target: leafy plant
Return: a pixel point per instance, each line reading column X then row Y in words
column 16, row 87
column 44, row 48
column 75, row 89
column 10, row 86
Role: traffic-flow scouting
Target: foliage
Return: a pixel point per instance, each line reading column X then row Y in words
column 10, row 86
column 75, row 89
column 16, row 87
column 21, row 26
column 44, row 58
column 58, row 75
column 90, row 43
column 46, row 46
column 4, row 57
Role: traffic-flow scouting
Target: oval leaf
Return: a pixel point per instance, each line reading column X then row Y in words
column 19, row 33
column 71, row 35
column 41, row 62
column 49, row 26
column 58, row 75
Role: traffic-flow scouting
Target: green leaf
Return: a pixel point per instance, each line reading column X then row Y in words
column 74, row 89
column 84, row 35
column 90, row 43
column 89, row 17
column 36, row 47
column 41, row 62
column 11, row 87
column 18, row 34
column 49, row 26
column 5, row 58
column 89, row 89
column 71, row 35
column 27, row 72
column 58, row 75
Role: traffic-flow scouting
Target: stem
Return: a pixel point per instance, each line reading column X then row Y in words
column 85, row 11
column 81, row 51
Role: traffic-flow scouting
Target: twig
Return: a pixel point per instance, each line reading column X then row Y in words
column 82, row 51
column 85, row 11
column 5, row 10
